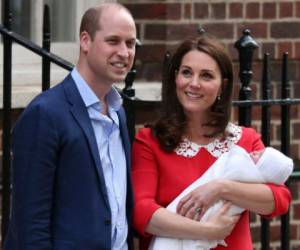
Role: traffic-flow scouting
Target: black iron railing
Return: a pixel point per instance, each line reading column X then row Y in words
column 245, row 45
column 6, row 138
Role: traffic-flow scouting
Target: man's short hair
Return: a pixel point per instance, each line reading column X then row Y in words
column 90, row 19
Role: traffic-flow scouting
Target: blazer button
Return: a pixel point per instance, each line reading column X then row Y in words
column 107, row 222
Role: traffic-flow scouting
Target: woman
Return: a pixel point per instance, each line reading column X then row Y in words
column 192, row 132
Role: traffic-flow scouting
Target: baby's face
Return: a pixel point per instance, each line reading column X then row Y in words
column 255, row 155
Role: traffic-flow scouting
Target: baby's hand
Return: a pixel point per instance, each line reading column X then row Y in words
column 255, row 155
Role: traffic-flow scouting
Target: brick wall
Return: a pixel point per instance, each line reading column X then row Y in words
column 275, row 25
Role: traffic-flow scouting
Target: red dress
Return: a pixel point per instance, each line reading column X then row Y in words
column 159, row 177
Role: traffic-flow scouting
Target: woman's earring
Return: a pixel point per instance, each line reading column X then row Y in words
column 217, row 105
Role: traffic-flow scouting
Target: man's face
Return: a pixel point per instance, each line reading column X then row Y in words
column 111, row 53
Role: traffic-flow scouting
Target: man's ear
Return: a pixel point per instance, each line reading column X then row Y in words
column 85, row 41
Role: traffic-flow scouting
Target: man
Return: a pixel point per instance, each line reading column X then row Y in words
column 71, row 185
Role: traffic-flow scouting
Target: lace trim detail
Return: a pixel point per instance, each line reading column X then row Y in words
column 217, row 147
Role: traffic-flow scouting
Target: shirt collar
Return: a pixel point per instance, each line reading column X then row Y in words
column 113, row 98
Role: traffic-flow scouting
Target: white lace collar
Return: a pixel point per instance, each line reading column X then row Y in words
column 217, row 147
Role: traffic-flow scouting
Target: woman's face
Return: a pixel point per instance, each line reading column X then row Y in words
column 198, row 82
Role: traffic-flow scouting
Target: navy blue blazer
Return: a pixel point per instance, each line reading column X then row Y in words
column 59, row 195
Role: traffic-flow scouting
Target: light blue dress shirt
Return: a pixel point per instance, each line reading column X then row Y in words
column 112, row 155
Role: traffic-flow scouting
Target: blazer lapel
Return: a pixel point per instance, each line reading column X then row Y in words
column 80, row 114
column 124, row 135
column 127, row 149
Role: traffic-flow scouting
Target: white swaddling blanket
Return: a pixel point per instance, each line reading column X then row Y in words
column 237, row 165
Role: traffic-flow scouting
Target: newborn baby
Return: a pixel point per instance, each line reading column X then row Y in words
column 267, row 166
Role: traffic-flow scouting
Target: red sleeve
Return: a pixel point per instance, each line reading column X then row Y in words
column 257, row 142
column 251, row 140
column 282, row 200
column 144, row 178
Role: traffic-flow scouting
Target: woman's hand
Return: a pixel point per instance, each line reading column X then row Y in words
column 220, row 225
column 195, row 204
column 168, row 224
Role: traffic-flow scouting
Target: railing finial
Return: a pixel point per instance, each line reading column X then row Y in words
column 246, row 46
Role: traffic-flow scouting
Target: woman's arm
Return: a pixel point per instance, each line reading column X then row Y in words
column 168, row 224
column 257, row 198
column 265, row 199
